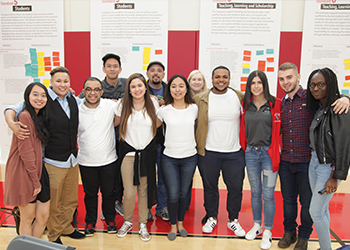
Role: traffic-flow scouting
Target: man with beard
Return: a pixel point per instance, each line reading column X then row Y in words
column 295, row 157
column 217, row 137
column 155, row 74
column 97, row 154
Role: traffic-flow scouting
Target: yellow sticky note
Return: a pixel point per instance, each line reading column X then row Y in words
column 41, row 68
column 41, row 54
column 40, row 59
column 347, row 66
column 346, row 84
column 41, row 63
column 144, row 67
column 146, row 55
column 41, row 73
column 246, row 65
column 46, row 82
column 346, row 61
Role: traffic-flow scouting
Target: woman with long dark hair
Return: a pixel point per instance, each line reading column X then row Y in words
column 260, row 138
column 179, row 159
column 26, row 180
column 138, row 152
column 330, row 144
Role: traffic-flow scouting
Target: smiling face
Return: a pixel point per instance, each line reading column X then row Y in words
column 256, row 87
column 155, row 74
column 37, row 98
column 289, row 81
column 93, row 92
column 60, row 83
column 137, row 89
column 318, row 88
column 178, row 89
column 220, row 80
column 112, row 69
column 197, row 83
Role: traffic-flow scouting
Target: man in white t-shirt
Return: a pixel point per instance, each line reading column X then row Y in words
column 97, row 154
column 218, row 147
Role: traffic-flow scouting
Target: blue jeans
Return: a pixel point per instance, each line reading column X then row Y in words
column 177, row 174
column 319, row 174
column 232, row 166
column 162, row 197
column 262, row 183
column 294, row 179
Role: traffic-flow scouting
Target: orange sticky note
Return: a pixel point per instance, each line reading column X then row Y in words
column 243, row 87
column 261, row 65
column 246, row 58
column 46, row 58
column 270, row 69
column 55, row 53
column 47, row 68
column 270, row 59
column 244, row 79
column 159, row 51
column 55, row 59
column 247, row 53
column 56, row 64
column 48, row 63
column 347, row 78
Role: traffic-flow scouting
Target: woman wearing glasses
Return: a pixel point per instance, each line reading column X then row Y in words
column 330, row 143
column 138, row 152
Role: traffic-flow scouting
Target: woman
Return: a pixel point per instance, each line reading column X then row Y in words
column 330, row 144
column 26, row 180
column 179, row 159
column 260, row 138
column 137, row 152
column 197, row 82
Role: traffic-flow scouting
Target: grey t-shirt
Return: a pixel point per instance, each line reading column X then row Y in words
column 111, row 92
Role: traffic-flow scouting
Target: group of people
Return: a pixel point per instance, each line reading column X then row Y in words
column 147, row 137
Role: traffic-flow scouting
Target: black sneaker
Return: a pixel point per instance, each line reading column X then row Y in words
column 89, row 230
column 163, row 214
column 75, row 235
column 111, row 228
column 150, row 215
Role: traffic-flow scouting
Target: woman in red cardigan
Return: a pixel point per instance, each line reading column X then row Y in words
column 26, row 180
column 260, row 138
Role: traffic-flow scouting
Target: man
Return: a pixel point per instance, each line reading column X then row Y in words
column 61, row 155
column 295, row 157
column 113, row 88
column 218, row 147
column 155, row 74
column 97, row 154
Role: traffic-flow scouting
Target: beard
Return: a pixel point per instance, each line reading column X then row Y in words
column 156, row 82
column 92, row 103
column 220, row 90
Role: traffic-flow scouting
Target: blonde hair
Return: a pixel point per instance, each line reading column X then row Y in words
column 196, row 71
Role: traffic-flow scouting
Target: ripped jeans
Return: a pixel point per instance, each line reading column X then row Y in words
column 262, row 184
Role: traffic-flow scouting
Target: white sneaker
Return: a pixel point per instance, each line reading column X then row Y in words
column 255, row 231
column 236, row 228
column 266, row 241
column 126, row 227
column 144, row 234
column 209, row 225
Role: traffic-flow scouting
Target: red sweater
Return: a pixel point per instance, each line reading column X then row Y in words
column 276, row 137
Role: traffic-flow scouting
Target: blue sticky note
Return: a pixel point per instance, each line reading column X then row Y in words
column 345, row 91
column 28, row 72
column 34, row 67
column 28, row 65
column 32, row 50
column 269, row 51
column 259, row 52
column 34, row 61
column 135, row 48
column 246, row 71
column 36, row 80
column 34, row 73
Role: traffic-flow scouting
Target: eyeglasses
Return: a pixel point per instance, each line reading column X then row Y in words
column 319, row 85
column 89, row 90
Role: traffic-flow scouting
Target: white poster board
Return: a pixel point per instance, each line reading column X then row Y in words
column 31, row 45
column 241, row 35
column 136, row 30
column 326, row 40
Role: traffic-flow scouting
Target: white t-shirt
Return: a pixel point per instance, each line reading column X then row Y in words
column 223, row 122
column 179, row 134
column 139, row 132
column 96, row 136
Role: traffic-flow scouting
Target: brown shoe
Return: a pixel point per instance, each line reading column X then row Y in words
column 301, row 244
column 287, row 240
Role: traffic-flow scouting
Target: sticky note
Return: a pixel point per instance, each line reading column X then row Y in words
column 270, row 69
column 270, row 59
column 55, row 53
column 244, row 79
column 41, row 64
column 47, row 68
column 48, row 63
column 55, row 59
column 34, row 67
column 144, row 67
column 243, row 86
column 41, row 73
column 159, row 52
column 41, row 68
column 41, row 54
column 36, row 80
column 261, row 65
column 34, row 61
column 247, row 53
column 56, row 64
column 28, row 65
column 47, row 58
column 346, row 84
column 346, row 61
column 135, row 48
column 246, row 58
column 32, row 50
column 246, row 65
column 269, row 51
column 33, row 56
column 347, row 66
column 347, row 78
column 246, row 71
column 28, row 72
column 34, row 73
column 40, row 59
column 345, row 91
column 259, row 52
column 146, row 55
column 46, row 82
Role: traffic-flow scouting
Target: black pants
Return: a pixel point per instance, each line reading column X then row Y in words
column 93, row 178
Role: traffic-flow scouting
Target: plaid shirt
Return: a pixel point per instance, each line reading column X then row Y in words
column 296, row 120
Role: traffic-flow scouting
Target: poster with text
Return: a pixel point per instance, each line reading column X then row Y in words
column 326, row 40
column 241, row 35
column 31, row 45
column 135, row 30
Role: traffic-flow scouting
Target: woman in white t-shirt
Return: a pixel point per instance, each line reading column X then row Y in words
column 137, row 152
column 179, row 159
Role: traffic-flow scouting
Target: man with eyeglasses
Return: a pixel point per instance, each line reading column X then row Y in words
column 295, row 157
column 97, row 154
